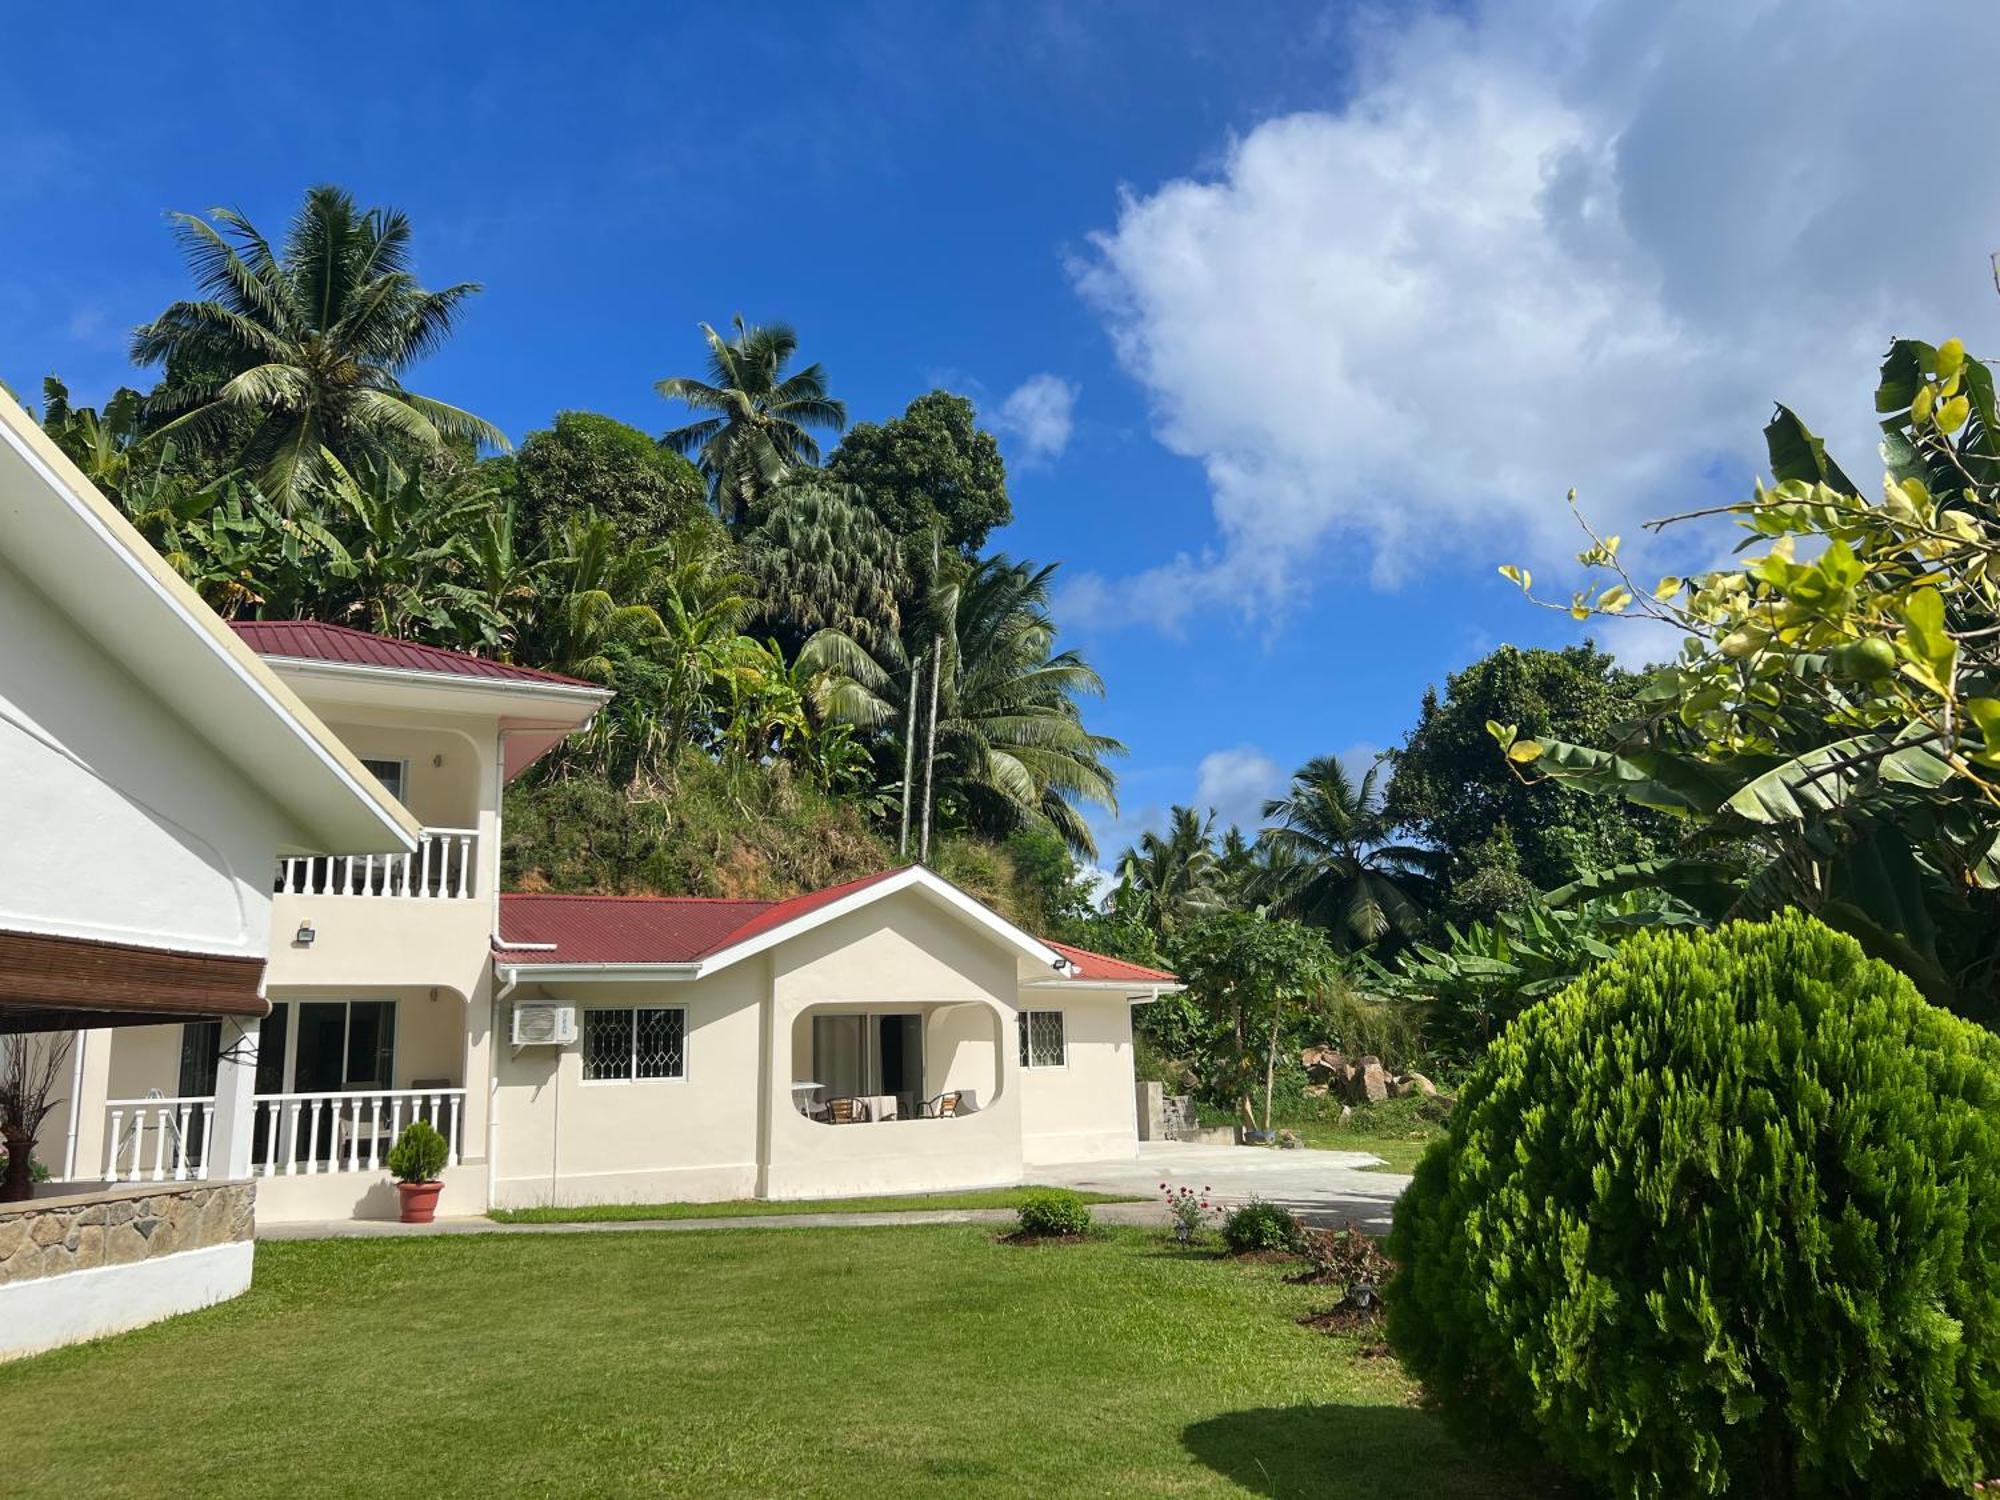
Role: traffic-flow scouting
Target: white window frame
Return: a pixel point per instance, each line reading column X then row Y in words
column 632, row 1048
column 1027, row 1029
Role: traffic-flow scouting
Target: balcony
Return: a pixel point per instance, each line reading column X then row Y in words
column 444, row 867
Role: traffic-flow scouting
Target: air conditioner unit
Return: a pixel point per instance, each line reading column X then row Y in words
column 544, row 1025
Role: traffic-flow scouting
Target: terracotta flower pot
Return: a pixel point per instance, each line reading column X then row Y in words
column 419, row 1201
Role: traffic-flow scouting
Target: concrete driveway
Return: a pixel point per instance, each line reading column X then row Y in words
column 1324, row 1188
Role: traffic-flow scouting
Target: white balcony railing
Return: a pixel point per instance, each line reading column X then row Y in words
column 161, row 1140
column 157, row 1139
column 443, row 867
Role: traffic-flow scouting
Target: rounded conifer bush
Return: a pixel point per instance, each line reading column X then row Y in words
column 1721, row 1218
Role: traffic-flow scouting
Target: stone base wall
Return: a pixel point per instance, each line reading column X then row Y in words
column 120, row 1226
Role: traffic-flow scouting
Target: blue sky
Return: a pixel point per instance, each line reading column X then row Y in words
column 1324, row 306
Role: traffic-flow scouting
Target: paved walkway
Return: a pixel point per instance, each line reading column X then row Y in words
column 1324, row 1188
column 1321, row 1187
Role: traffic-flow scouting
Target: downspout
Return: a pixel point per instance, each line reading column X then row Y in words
column 75, row 1106
column 500, row 993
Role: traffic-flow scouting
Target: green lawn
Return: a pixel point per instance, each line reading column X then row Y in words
column 1397, row 1130
column 927, row 1362
column 756, row 1208
column 1399, row 1152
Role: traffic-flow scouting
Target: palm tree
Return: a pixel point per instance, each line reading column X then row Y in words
column 758, row 429
column 821, row 560
column 993, row 728
column 1168, row 878
column 396, row 550
column 300, row 349
column 598, row 589
column 1329, row 862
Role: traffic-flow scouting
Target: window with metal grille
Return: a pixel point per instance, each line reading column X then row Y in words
column 634, row 1043
column 1042, row 1039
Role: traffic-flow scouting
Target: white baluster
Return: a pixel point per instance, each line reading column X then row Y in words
column 368, row 876
column 464, row 862
column 270, row 1114
column 207, row 1135
column 159, row 1145
column 374, row 1131
column 292, row 1140
column 424, row 864
column 452, row 1138
column 181, row 1144
column 396, row 1117
column 111, row 1146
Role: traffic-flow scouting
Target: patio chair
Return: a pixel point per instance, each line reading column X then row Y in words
column 941, row 1108
column 846, row 1112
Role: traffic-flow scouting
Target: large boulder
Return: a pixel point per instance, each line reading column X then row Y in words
column 1369, row 1082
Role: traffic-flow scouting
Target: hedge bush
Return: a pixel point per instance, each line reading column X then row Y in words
column 1258, row 1225
column 1721, row 1218
column 1054, row 1212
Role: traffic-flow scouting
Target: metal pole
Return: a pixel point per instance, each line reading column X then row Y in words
column 930, row 747
column 909, row 758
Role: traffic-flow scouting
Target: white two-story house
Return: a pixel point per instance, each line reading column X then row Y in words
column 889, row 1035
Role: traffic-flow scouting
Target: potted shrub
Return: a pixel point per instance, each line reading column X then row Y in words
column 415, row 1161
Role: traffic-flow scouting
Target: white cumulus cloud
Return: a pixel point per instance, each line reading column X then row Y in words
column 1039, row 414
column 1545, row 244
column 1235, row 783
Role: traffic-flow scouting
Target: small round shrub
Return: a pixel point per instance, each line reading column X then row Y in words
column 1258, row 1225
column 419, row 1153
column 1721, row 1218
column 1054, row 1213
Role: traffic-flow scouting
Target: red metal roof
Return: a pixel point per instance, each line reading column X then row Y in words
column 1102, row 966
column 778, row 913
column 622, row 929
column 685, row 929
column 314, row 640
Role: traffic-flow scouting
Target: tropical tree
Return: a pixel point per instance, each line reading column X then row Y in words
column 392, row 552
column 932, row 472
column 1500, row 839
column 295, row 351
column 761, row 419
column 599, row 590
column 982, row 707
column 820, row 561
column 585, row 461
column 1830, row 731
column 1248, row 973
column 1331, row 862
column 1167, row 879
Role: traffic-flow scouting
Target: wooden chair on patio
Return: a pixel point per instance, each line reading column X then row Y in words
column 846, row 1112
column 941, row 1108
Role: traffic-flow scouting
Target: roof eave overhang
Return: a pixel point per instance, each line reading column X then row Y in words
column 551, row 703
column 1139, row 991
column 95, row 567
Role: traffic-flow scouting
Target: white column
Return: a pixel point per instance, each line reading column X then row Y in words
column 235, row 1119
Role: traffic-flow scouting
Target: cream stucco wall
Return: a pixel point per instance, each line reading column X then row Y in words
column 564, row 1140
column 902, row 953
column 1084, row 1110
